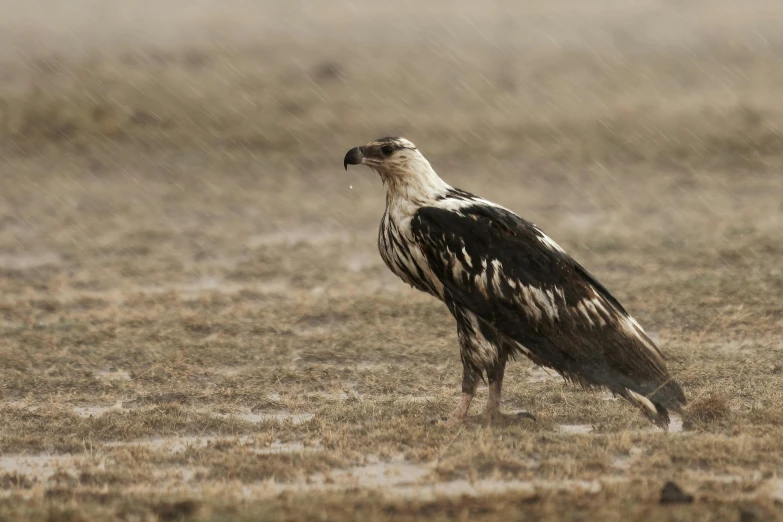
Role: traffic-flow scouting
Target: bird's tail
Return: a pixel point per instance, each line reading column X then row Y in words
column 656, row 405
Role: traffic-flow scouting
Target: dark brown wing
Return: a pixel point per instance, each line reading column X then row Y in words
column 512, row 276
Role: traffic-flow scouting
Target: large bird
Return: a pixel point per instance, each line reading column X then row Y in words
column 510, row 288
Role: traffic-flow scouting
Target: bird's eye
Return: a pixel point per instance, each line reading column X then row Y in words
column 387, row 150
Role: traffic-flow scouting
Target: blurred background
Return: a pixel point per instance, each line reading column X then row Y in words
column 623, row 80
column 183, row 255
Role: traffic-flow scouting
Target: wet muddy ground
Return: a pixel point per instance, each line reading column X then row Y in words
column 167, row 346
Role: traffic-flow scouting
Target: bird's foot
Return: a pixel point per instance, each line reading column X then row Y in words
column 460, row 413
column 496, row 418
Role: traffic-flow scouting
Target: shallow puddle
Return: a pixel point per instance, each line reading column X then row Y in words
column 277, row 448
column 96, row 411
column 91, row 410
column 575, row 429
column 36, row 467
column 177, row 444
column 180, row 444
column 459, row 488
column 296, row 418
column 281, row 417
column 395, row 477
column 399, row 477
column 675, row 427
column 116, row 375
column 376, row 474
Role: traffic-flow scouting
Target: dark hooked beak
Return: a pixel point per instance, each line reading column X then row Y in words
column 355, row 156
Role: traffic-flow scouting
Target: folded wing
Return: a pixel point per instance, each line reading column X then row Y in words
column 515, row 278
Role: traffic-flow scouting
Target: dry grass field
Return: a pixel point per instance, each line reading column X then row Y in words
column 196, row 324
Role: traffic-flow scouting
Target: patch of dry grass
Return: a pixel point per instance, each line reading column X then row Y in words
column 640, row 105
column 166, row 341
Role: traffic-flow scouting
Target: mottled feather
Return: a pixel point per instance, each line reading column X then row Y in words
column 542, row 299
column 509, row 286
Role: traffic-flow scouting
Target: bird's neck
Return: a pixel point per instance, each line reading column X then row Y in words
column 417, row 184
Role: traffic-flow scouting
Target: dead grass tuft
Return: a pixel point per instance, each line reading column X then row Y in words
column 181, row 510
column 711, row 409
column 15, row 480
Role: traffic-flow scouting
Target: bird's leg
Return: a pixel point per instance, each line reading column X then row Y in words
column 461, row 411
column 495, row 382
column 469, row 379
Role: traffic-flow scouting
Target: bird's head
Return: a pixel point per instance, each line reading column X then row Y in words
column 399, row 163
